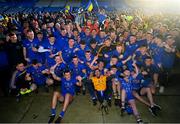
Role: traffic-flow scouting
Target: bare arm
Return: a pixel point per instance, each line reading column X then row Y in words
column 53, row 74
column 24, row 54
column 127, row 59
column 94, row 60
column 12, row 85
column 136, row 70
column 78, row 27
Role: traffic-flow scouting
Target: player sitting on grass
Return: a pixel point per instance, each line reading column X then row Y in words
column 127, row 94
column 66, row 95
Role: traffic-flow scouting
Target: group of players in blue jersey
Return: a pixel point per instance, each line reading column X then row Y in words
column 63, row 54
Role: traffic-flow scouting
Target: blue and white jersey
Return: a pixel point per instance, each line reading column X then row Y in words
column 168, row 59
column 68, row 53
column 86, row 38
column 87, row 63
column 127, row 86
column 29, row 45
column 77, row 70
column 54, row 49
column 59, row 69
column 36, row 73
column 140, row 59
column 81, row 52
column 136, row 82
column 68, row 86
column 62, row 41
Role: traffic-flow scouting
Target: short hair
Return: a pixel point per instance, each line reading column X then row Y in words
column 51, row 35
column 75, row 57
column 67, row 71
column 93, row 41
column 63, row 29
column 70, row 38
column 108, row 38
column 19, row 62
column 148, row 57
column 29, row 30
column 34, row 61
column 39, row 32
column 113, row 66
column 11, row 34
column 82, row 42
column 88, row 51
column 114, row 56
column 75, row 29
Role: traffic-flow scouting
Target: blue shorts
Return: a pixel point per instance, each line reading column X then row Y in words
column 129, row 96
column 156, row 69
column 70, row 92
column 147, row 83
column 138, row 91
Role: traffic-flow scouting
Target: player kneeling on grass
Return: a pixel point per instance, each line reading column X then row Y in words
column 21, row 82
column 127, row 94
column 66, row 95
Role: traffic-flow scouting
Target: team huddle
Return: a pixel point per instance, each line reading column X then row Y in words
column 120, row 61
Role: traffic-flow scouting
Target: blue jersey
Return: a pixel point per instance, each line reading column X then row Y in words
column 107, row 50
column 101, row 17
column 157, row 53
column 100, row 40
column 147, row 79
column 130, row 49
column 36, row 74
column 86, row 38
column 116, row 75
column 77, row 70
column 54, row 48
column 115, row 53
column 140, row 59
column 62, row 41
column 57, row 33
column 29, row 52
column 128, row 87
column 86, row 63
column 68, row 86
column 68, row 53
column 81, row 52
column 136, row 82
column 168, row 59
column 97, row 39
column 118, row 65
column 151, row 47
column 59, row 69
column 41, row 56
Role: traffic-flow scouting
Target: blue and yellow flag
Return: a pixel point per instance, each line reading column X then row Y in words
column 89, row 6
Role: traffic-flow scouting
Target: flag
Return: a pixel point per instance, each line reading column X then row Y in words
column 89, row 6
column 68, row 8
column 96, row 3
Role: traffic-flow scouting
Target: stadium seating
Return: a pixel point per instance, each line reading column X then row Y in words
column 29, row 6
